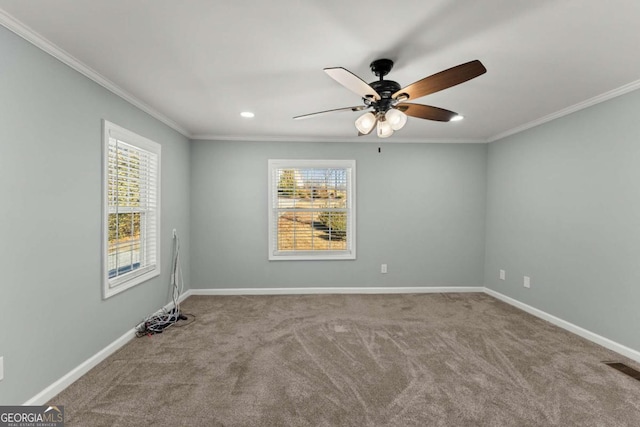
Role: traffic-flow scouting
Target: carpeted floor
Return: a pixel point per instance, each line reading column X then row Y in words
column 356, row 360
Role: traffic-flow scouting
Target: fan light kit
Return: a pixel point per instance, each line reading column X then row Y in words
column 387, row 99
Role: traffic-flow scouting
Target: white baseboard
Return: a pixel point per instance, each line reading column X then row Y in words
column 351, row 290
column 591, row 336
column 58, row 386
column 54, row 389
column 48, row 393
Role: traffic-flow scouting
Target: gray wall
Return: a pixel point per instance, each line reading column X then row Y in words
column 563, row 207
column 560, row 201
column 420, row 209
column 53, row 316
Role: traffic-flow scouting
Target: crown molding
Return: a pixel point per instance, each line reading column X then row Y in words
column 300, row 138
column 622, row 90
column 60, row 54
column 42, row 43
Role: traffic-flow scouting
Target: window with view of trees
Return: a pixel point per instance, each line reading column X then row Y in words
column 312, row 209
column 132, row 203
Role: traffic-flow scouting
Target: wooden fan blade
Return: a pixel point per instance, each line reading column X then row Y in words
column 307, row 116
column 352, row 82
column 443, row 80
column 426, row 112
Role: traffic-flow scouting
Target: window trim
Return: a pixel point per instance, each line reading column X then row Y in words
column 350, row 252
column 111, row 287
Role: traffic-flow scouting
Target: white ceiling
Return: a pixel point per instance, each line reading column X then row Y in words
column 196, row 64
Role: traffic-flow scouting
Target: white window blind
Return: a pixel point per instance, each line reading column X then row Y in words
column 132, row 174
column 312, row 209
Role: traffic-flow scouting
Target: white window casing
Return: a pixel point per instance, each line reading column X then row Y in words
column 312, row 211
column 131, row 209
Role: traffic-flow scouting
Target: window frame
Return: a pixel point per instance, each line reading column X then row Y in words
column 350, row 252
column 113, row 286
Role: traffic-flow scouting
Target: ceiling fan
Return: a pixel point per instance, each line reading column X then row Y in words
column 388, row 101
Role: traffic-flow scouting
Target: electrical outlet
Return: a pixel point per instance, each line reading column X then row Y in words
column 383, row 268
column 503, row 275
column 1, row 368
column 175, row 232
column 527, row 282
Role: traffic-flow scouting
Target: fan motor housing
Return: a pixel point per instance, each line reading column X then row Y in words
column 385, row 88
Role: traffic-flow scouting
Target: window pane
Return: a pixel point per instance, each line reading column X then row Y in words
column 311, row 231
column 294, row 231
column 312, row 189
column 123, row 246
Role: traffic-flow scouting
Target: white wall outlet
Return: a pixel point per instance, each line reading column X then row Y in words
column 503, row 275
column 175, row 232
column 1, row 368
column 527, row 282
column 383, row 268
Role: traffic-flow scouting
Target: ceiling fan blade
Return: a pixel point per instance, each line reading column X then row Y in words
column 352, row 82
column 443, row 80
column 426, row 112
column 310, row 115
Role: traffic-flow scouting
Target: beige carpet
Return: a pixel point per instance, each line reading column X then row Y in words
column 356, row 360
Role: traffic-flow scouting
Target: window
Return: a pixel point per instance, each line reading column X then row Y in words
column 131, row 224
column 312, row 209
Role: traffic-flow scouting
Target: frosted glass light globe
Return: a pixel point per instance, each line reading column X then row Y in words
column 365, row 123
column 384, row 129
column 396, row 118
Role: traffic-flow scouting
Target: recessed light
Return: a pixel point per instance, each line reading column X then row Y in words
column 247, row 114
column 456, row 118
